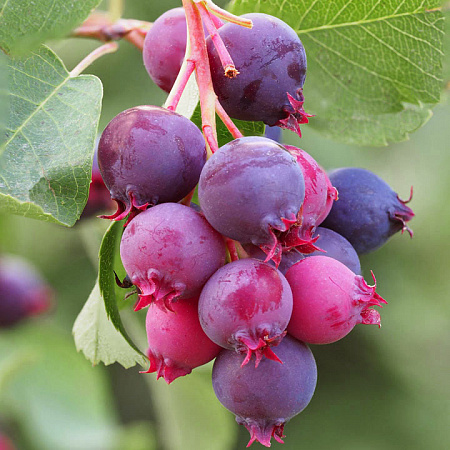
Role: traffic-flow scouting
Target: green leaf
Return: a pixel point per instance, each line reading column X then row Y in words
column 97, row 338
column 374, row 68
column 4, row 99
column 223, row 135
column 107, row 284
column 447, row 46
column 24, row 25
column 58, row 399
column 46, row 163
column 189, row 415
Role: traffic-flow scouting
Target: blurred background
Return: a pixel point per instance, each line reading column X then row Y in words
column 385, row 388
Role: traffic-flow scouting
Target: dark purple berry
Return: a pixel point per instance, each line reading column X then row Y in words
column 251, row 189
column 329, row 300
column 265, row 398
column 149, row 155
column 368, row 211
column 169, row 252
column 336, row 247
column 271, row 61
column 246, row 306
column 23, row 293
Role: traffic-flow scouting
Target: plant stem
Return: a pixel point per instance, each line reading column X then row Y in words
column 225, row 118
column 224, row 55
column 232, row 249
column 104, row 49
column 225, row 15
column 184, row 74
column 115, row 9
column 199, row 56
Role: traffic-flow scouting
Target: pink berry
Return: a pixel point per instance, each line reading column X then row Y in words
column 329, row 300
column 246, row 306
column 169, row 251
column 319, row 198
column 177, row 343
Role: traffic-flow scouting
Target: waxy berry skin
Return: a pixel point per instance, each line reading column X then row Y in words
column 329, row 300
column 23, row 293
column 177, row 343
column 169, row 251
column 246, row 306
column 271, row 61
column 165, row 47
column 251, row 189
column 265, row 398
column 368, row 211
column 149, row 155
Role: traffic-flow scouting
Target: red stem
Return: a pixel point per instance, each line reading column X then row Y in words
column 225, row 118
column 224, row 55
column 179, row 85
column 202, row 70
column 232, row 249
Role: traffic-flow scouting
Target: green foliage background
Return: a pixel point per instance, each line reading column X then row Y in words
column 377, row 389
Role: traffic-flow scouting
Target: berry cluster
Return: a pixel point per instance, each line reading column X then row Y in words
column 247, row 276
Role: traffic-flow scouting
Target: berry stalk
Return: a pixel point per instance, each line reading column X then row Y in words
column 110, row 47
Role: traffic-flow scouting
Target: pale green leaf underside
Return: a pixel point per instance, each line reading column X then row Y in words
column 24, row 25
column 46, row 162
column 97, row 338
column 374, row 67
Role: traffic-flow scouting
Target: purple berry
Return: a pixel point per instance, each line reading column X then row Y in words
column 368, row 211
column 265, row 398
column 23, row 293
column 165, row 46
column 271, row 61
column 329, row 300
column 177, row 343
column 246, row 306
column 169, row 252
column 250, row 190
column 336, row 247
column 99, row 199
column 149, row 155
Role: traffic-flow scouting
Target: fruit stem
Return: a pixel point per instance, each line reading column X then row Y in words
column 225, row 15
column 187, row 200
column 176, row 92
column 199, row 56
column 231, row 246
column 115, row 9
column 224, row 55
column 110, row 47
column 225, row 118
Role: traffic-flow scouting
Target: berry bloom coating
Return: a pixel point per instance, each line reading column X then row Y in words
column 164, row 48
column 149, row 155
column 246, row 306
column 99, row 199
column 319, row 198
column 23, row 293
column 336, row 247
column 368, row 211
column 329, row 300
column 271, row 61
column 170, row 251
column 177, row 343
column 250, row 190
column 265, row 398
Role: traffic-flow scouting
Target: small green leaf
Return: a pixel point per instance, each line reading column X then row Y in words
column 107, row 284
column 223, row 135
column 374, row 68
column 189, row 415
column 24, row 25
column 46, row 163
column 97, row 338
